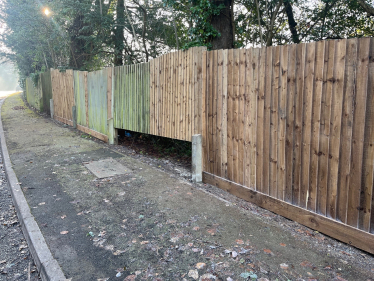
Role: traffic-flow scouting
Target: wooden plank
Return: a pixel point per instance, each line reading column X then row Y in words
column 355, row 181
column 274, row 122
column 190, row 92
column 109, row 92
column 342, row 232
column 93, row 133
column 209, row 93
column 290, row 119
column 326, row 99
column 366, row 213
column 183, row 100
column 253, row 116
column 267, row 111
column 248, row 92
column 240, row 124
column 307, row 122
column 215, row 148
column 86, row 97
column 282, row 115
column 230, row 114
column 299, row 97
column 173, row 96
column 335, row 129
column 161, row 98
column 219, row 113
column 64, row 120
column 316, row 117
column 346, row 131
column 260, row 122
column 235, row 116
column 204, row 108
column 224, row 113
column 151, row 96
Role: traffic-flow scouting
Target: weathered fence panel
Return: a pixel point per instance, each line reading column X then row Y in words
column 63, row 95
column 81, row 97
column 131, row 97
column 291, row 129
column 99, row 88
column 46, row 87
column 176, row 94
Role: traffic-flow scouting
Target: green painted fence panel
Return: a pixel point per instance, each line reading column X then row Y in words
column 131, row 97
column 97, row 83
column 33, row 94
column 46, row 84
column 80, row 96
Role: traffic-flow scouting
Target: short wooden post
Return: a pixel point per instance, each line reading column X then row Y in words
column 74, row 109
column 112, row 132
column 52, row 108
column 197, row 168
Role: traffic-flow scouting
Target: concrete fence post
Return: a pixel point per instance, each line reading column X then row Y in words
column 52, row 108
column 74, row 109
column 197, row 167
column 112, row 132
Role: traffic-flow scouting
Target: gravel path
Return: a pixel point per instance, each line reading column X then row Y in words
column 15, row 258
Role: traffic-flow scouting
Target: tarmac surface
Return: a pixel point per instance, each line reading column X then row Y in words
column 107, row 216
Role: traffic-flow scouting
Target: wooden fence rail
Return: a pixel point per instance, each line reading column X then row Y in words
column 290, row 128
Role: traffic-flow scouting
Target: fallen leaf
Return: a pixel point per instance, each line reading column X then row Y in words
column 103, row 279
column 144, row 242
column 4, row 261
column 130, row 278
column 282, row 244
column 193, row 274
column 239, row 241
column 64, row 216
column 196, row 228
column 200, row 265
column 234, row 254
column 42, row 203
column 284, row 266
column 267, row 251
column 306, row 264
column 64, row 232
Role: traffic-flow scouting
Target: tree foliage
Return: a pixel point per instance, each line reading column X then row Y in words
column 91, row 34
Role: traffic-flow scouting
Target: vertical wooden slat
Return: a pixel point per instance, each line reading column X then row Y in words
column 290, row 118
column 211, row 152
column 183, row 92
column 323, row 164
column 235, row 109
column 248, row 130
column 260, row 122
column 316, row 117
column 267, row 111
column 168, row 95
column 355, row 182
column 307, row 122
column 335, row 129
column 241, row 101
column 274, row 122
column 109, row 91
column 230, row 114
column 224, row 113
column 300, row 67
column 86, row 98
column 282, row 114
column 173, row 102
column 213, row 92
column 195, row 98
column 152, row 97
column 204, row 108
column 366, row 214
column 179, row 94
column 190, row 92
column 219, row 113
column 346, row 131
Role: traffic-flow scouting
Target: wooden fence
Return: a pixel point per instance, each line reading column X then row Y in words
column 176, row 94
column 290, row 128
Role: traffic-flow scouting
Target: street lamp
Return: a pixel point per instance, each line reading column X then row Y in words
column 47, row 12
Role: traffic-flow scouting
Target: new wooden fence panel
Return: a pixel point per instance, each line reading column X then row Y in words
column 295, row 124
column 63, row 95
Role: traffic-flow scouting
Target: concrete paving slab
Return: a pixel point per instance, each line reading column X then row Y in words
column 106, row 168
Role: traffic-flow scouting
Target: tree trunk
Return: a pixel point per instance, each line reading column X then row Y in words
column 77, row 44
column 368, row 9
column 118, row 33
column 291, row 21
column 223, row 23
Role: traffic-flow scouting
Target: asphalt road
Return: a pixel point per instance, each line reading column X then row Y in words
column 16, row 262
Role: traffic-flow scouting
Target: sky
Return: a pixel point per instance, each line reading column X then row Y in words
column 8, row 77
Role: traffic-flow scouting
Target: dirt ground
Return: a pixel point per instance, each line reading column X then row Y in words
column 152, row 223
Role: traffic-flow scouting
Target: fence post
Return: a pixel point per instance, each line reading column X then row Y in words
column 112, row 132
column 52, row 108
column 74, row 109
column 197, row 172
